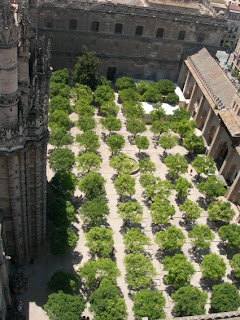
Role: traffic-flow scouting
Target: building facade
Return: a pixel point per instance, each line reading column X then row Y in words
column 24, row 78
column 232, row 30
column 215, row 106
column 139, row 38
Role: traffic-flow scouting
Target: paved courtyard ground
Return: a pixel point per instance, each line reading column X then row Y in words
column 40, row 272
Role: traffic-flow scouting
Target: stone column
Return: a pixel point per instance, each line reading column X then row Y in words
column 233, row 193
column 214, row 144
column 191, row 102
column 207, row 123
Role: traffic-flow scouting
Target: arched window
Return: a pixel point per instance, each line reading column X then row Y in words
column 159, row 33
column 73, row 24
column 139, row 31
column 181, row 35
column 95, row 26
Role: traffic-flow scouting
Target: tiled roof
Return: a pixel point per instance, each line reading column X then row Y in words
column 212, row 76
column 231, row 121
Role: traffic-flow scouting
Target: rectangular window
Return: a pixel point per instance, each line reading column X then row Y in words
column 118, row 28
column 200, row 37
column 49, row 24
column 139, row 31
column 181, row 35
column 73, row 24
column 159, row 33
column 95, row 26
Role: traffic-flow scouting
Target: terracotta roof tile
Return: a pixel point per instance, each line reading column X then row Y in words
column 231, row 121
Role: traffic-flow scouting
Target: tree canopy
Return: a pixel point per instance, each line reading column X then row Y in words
column 104, row 94
column 111, row 123
column 60, row 76
column 86, row 122
column 94, row 212
column 192, row 210
column 92, row 184
column 212, row 187
column 167, row 140
column 130, row 211
column 100, row 241
column 235, row 264
column 142, row 143
column 230, row 234
column 139, row 271
column 64, row 184
column 193, row 143
column 149, row 303
column 125, row 185
column 60, row 103
column 159, row 127
column 225, row 297
column 170, row 239
column 62, row 238
column 121, row 163
column 146, row 165
column 220, row 211
column 204, row 164
column 189, row 301
column 213, row 267
column 125, row 83
column 202, row 237
column 181, row 186
column 136, row 126
column 60, row 137
column 134, row 240
column 64, row 306
column 59, row 118
column 176, row 164
column 61, row 160
column 161, row 211
column 115, row 142
column 88, row 140
column 85, row 70
column 179, row 270
column 88, row 161
column 65, row 281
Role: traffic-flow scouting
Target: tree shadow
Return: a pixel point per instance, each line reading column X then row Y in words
column 225, row 250
column 187, row 225
column 104, row 136
column 197, row 255
column 162, row 157
column 142, row 155
column 159, row 227
column 170, row 289
column 131, row 140
column 207, row 284
column 235, row 280
column 202, row 203
column 179, row 200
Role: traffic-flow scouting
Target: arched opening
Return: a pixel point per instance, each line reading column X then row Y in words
column 223, row 151
column 211, row 133
column 202, row 120
column 231, row 174
column 111, row 73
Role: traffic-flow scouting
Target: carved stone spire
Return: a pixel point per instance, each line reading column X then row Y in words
column 8, row 32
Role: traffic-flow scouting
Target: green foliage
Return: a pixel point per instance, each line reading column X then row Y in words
column 167, row 140
column 109, row 108
column 64, row 306
column 231, row 235
column 85, row 70
column 125, row 83
column 88, row 161
column 59, row 89
column 121, row 163
column 180, row 114
column 151, row 94
column 179, row 270
column 146, row 165
column 192, row 210
column 161, row 189
column 129, row 95
column 139, row 271
column 213, row 267
column 134, row 240
column 94, row 271
column 100, row 241
column 61, row 160
column 172, row 98
column 111, row 123
column 149, row 304
column 147, row 179
column 235, row 264
column 60, row 103
column 202, row 237
column 60, row 137
column 61, row 239
column 158, row 113
column 60, row 76
column 159, row 127
column 125, row 185
column 84, row 109
column 193, row 143
column 220, row 211
column 64, row 184
column 136, row 126
column 86, row 123
column 133, row 110
column 181, row 186
column 225, row 297
column 115, row 142
column 59, row 118
column 212, row 187
column 82, row 93
column 88, row 140
column 92, row 185
column 142, row 86
column 165, row 86
column 204, row 164
column 61, row 212
column 106, row 302
column 184, row 127
column 176, row 164
column 142, row 143
column 65, row 281
column 189, row 301
column 130, row 211
column 161, row 211
column 170, row 239
column 104, row 94
column 94, row 212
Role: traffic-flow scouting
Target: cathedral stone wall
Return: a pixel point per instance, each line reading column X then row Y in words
column 146, row 42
